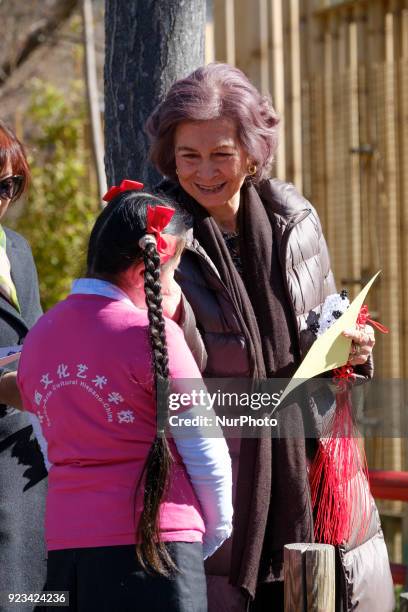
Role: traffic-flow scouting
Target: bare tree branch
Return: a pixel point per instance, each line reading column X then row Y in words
column 36, row 36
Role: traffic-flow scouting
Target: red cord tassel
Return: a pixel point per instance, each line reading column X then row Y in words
column 364, row 317
column 339, row 475
column 338, row 479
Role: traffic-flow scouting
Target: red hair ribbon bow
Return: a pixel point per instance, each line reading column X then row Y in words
column 125, row 185
column 158, row 217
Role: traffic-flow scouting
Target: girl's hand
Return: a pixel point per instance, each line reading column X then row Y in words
column 362, row 345
column 9, row 391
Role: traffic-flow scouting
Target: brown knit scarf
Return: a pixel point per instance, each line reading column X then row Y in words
column 273, row 498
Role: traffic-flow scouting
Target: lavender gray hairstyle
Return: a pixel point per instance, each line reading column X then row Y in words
column 210, row 92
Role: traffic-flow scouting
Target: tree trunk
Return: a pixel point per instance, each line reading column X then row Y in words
column 149, row 45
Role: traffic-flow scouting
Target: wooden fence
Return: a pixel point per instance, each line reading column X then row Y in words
column 338, row 75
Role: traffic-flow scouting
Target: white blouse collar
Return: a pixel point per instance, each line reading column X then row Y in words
column 96, row 286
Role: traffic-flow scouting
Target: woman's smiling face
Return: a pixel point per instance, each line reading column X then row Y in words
column 211, row 162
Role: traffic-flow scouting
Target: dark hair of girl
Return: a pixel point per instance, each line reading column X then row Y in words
column 113, row 248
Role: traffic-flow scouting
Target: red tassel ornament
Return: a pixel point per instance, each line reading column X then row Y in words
column 339, row 476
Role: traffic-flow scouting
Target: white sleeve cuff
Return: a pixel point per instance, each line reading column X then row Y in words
column 208, row 465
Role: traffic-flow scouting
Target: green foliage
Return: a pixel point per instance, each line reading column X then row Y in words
column 62, row 202
column 398, row 589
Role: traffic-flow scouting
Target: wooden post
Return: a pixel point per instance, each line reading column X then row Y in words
column 403, row 602
column 320, row 578
column 309, row 577
column 294, row 579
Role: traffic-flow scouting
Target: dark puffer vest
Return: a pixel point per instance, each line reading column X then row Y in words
column 308, row 280
column 366, row 579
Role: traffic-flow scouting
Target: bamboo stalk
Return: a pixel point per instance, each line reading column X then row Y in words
column 93, row 96
column 364, row 99
column 342, row 203
column 288, row 90
column 354, row 143
column 330, row 152
column 403, row 155
column 251, row 36
column 278, row 81
column 224, row 31
column 315, row 52
column 296, row 94
column 391, row 279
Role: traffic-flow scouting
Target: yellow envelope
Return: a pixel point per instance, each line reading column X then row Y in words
column 331, row 349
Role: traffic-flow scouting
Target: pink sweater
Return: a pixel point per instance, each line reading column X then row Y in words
column 85, row 372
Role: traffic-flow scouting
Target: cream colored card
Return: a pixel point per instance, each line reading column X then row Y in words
column 8, row 354
column 331, row 349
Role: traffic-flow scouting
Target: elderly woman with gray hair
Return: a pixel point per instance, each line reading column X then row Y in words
column 255, row 268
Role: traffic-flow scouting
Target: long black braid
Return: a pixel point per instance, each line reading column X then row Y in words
column 160, row 459
column 114, row 247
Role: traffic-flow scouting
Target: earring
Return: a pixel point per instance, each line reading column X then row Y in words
column 252, row 169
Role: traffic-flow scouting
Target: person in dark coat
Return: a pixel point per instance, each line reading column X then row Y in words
column 23, row 476
column 256, row 271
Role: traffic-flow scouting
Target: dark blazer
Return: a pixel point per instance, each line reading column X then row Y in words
column 22, row 471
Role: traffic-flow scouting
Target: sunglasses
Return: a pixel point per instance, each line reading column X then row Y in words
column 11, row 187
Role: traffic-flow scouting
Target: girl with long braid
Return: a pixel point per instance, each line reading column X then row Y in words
column 131, row 512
